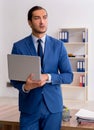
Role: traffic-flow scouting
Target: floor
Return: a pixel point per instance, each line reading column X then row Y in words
column 70, row 104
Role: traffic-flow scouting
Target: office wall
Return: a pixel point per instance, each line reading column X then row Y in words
column 62, row 13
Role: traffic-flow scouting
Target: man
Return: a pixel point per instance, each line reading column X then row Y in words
column 40, row 102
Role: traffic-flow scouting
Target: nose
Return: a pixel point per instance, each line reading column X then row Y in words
column 41, row 20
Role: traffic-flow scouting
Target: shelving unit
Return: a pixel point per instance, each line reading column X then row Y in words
column 76, row 43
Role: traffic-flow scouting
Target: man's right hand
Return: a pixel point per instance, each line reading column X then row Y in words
column 31, row 84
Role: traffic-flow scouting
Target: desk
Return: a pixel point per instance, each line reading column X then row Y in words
column 9, row 117
column 73, row 125
column 9, row 120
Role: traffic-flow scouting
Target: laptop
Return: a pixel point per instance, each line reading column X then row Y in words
column 21, row 66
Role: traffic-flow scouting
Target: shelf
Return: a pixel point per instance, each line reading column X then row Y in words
column 78, row 73
column 76, row 43
column 73, row 35
column 74, row 29
column 77, row 58
column 72, row 87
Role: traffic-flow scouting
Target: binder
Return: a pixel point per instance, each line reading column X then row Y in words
column 83, row 66
column 60, row 35
column 78, row 66
column 83, row 36
column 66, row 36
column 63, row 36
column 81, row 81
column 81, row 120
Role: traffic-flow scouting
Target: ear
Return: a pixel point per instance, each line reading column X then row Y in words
column 30, row 23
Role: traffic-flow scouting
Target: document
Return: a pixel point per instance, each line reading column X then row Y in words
column 85, row 114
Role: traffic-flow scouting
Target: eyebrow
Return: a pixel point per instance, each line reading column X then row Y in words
column 39, row 15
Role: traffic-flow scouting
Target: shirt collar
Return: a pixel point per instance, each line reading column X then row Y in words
column 35, row 39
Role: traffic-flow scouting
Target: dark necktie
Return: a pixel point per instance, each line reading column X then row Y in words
column 40, row 50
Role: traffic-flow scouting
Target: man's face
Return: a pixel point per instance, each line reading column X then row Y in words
column 39, row 22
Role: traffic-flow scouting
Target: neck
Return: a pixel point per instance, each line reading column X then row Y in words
column 38, row 35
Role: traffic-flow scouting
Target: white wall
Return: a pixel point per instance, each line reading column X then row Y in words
column 62, row 13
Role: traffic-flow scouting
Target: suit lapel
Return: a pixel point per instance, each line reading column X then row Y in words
column 47, row 50
column 31, row 46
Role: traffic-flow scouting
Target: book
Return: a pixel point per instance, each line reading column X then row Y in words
column 81, row 120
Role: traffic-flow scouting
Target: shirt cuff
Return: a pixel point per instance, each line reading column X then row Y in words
column 49, row 79
column 24, row 89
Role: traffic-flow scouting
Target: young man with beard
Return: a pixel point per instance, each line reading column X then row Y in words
column 40, row 102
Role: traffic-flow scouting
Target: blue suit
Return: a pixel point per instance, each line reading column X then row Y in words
column 56, row 63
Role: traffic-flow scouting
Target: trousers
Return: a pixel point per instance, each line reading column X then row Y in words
column 43, row 120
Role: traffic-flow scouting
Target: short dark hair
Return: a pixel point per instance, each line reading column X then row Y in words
column 30, row 12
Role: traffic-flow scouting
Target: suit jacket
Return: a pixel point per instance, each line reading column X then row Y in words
column 56, row 63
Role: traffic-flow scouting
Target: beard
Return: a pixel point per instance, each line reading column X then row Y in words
column 39, row 31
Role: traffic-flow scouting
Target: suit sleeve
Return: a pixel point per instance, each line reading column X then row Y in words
column 65, row 75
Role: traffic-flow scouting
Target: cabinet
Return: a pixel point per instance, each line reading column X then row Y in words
column 76, row 43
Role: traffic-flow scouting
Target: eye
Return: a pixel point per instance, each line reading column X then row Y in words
column 36, row 17
column 45, row 17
